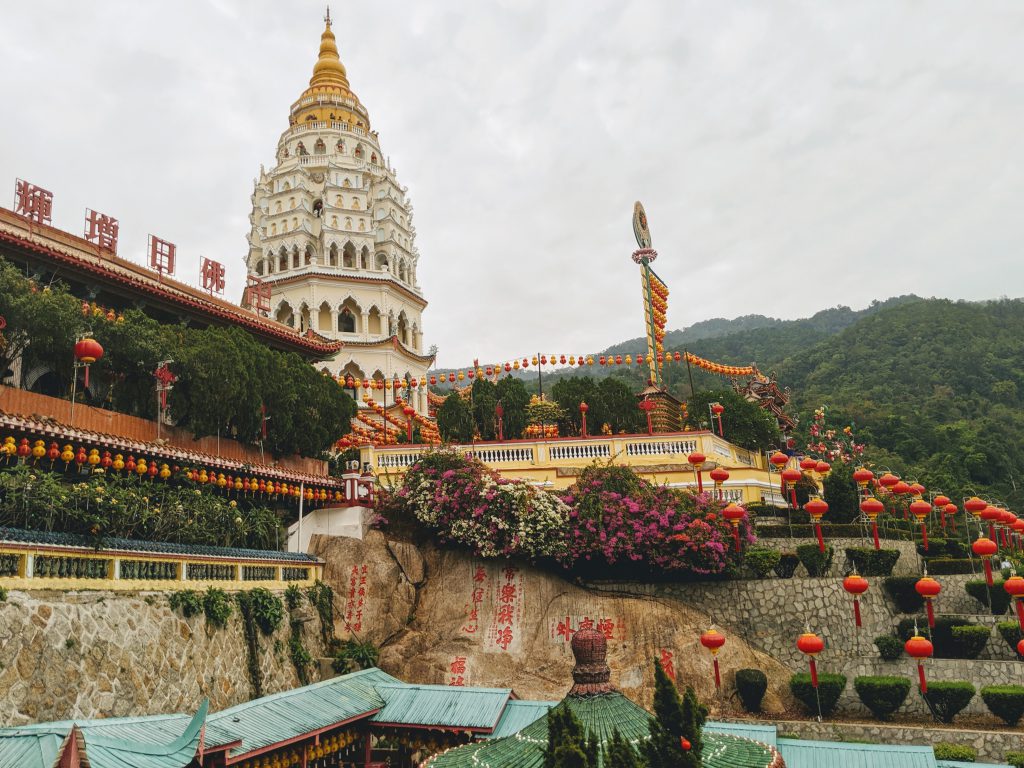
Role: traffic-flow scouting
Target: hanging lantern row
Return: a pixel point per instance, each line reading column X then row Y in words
column 327, row 746
column 93, row 461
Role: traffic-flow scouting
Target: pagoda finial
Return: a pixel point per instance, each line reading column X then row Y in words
column 327, row 18
column 328, row 70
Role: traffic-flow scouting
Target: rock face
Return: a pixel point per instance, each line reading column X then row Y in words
column 503, row 624
column 100, row 654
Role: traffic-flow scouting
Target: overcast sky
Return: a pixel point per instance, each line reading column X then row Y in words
column 791, row 155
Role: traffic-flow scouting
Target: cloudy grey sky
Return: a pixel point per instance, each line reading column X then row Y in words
column 791, row 155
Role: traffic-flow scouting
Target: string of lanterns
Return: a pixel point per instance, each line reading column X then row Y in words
column 325, row 748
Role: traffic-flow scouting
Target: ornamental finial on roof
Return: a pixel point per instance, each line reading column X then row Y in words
column 327, row 18
column 591, row 675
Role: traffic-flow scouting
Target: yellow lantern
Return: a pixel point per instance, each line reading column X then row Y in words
column 221, row 480
column 118, row 461
column 165, row 472
column 38, row 449
column 629, row 360
column 140, row 467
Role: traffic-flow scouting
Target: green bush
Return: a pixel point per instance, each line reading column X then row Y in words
column 3, row 594
column 882, row 695
column 267, row 610
column 805, row 531
column 1010, row 632
column 871, row 562
column 786, row 567
column 947, row 646
column 353, row 655
column 1005, row 702
column 901, row 590
column 189, row 602
column 751, row 685
column 970, row 640
column 815, row 561
column 889, row 648
column 948, row 699
column 1016, row 759
column 935, row 547
column 292, row 596
column 956, row 549
column 217, row 607
column 959, row 752
column 999, row 597
column 830, row 687
column 761, row 560
column 946, row 566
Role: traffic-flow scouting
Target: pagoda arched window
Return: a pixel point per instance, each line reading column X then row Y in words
column 346, row 321
column 320, row 148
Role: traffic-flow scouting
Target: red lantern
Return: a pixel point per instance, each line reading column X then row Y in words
column 900, row 488
column 862, row 477
column 856, row 586
column 54, row 453
column 1015, row 588
column 719, row 475
column 985, row 548
column 713, row 640
column 919, row 648
column 734, row 513
column 823, row 468
column 696, row 460
column 87, row 352
column 792, row 475
column 888, row 480
column 975, row 506
column 917, row 490
column 929, row 589
column 940, row 500
column 807, row 464
column 921, row 509
column 779, row 459
column 811, row 645
column 872, row 507
column 816, row 508
column 684, row 743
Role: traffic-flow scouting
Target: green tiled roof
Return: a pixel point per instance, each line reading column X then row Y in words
column 23, row 536
column 801, row 753
column 290, row 714
column 29, row 749
column 517, row 715
column 109, row 752
column 761, row 732
column 443, row 705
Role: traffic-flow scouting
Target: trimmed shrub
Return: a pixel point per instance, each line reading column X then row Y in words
column 871, row 562
column 751, row 685
column 997, row 596
column 805, row 531
column 889, row 648
column 786, row 567
column 815, row 561
column 761, row 560
column 958, row 752
column 946, row 566
column 947, row 645
column 1005, row 702
column 948, row 699
column 970, row 640
column 901, row 590
column 935, row 547
column 882, row 695
column 1010, row 632
column 956, row 549
column 1016, row 759
column 830, row 688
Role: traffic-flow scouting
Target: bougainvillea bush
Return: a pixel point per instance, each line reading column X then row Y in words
column 610, row 516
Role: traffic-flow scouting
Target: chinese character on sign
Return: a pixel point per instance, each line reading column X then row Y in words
column 213, row 276
column 161, row 256
column 257, row 296
column 33, row 202
column 101, row 229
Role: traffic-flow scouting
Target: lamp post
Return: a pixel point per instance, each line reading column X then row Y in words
column 583, row 415
column 499, row 411
column 647, row 406
column 696, row 460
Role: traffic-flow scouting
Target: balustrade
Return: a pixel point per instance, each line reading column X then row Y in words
column 159, row 570
column 502, row 455
column 580, row 451
column 660, row 447
column 259, row 573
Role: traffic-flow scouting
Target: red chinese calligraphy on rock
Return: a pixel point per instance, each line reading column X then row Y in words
column 564, row 627
column 476, row 599
column 102, row 230
column 32, row 202
column 212, row 273
column 508, row 608
column 668, row 663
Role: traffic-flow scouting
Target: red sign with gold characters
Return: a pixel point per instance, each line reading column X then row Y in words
column 213, row 276
column 161, row 255
column 101, row 229
column 32, row 202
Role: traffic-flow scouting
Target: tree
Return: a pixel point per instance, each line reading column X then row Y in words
column 484, row 400
column 514, row 398
column 744, row 423
column 674, row 719
column 841, row 494
column 566, row 747
column 620, row 407
column 455, row 420
column 569, row 393
column 620, row 753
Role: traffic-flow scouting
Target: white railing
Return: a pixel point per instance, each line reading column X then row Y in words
column 661, row 447
column 580, row 451
column 397, row 460
column 720, row 447
column 503, row 455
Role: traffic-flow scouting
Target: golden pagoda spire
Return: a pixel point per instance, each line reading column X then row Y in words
column 328, row 70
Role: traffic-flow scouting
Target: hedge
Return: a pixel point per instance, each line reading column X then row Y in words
column 1016, row 759
column 999, row 597
column 945, row 566
column 901, row 590
column 761, row 560
column 751, row 685
column 947, row 644
column 815, row 561
column 1005, row 702
column 948, row 699
column 956, row 752
column 889, row 648
column 786, row 567
column 970, row 640
column 1010, row 632
column 830, row 688
column 871, row 562
column 882, row 695
column 840, row 531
